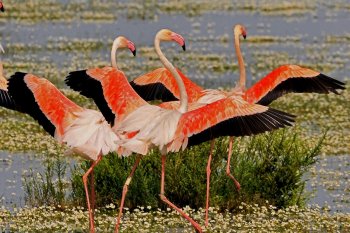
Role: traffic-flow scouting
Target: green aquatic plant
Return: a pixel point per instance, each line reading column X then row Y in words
column 49, row 187
column 269, row 166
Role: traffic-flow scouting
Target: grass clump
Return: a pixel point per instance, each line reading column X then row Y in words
column 48, row 187
column 269, row 166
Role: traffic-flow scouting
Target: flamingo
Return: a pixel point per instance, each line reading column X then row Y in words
column 172, row 130
column 161, row 84
column 2, row 6
column 6, row 100
column 85, row 131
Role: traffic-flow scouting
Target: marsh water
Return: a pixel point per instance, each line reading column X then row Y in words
column 316, row 36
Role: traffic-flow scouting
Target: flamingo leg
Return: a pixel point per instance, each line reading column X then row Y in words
column 208, row 182
column 164, row 199
column 92, row 191
column 125, row 190
column 228, row 171
column 85, row 176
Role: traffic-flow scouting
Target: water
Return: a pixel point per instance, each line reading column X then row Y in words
column 12, row 166
column 329, row 182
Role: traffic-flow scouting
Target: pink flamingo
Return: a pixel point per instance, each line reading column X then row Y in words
column 85, row 131
column 160, row 84
column 6, row 100
column 2, row 6
column 172, row 130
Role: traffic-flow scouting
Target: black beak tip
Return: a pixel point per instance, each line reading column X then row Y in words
column 134, row 52
column 244, row 36
column 184, row 47
column 2, row 9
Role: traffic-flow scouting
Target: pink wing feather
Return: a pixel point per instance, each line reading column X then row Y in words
column 290, row 78
column 164, row 77
column 120, row 96
column 47, row 97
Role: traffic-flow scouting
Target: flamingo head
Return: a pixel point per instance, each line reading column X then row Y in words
column 2, row 6
column 168, row 35
column 240, row 30
column 123, row 42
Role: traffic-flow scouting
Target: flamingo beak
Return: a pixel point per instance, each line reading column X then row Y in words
column 2, row 7
column 132, row 47
column 244, row 36
column 179, row 39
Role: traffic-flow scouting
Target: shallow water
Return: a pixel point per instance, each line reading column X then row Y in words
column 330, row 184
column 12, row 166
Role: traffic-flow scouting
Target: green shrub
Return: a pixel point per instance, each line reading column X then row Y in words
column 269, row 167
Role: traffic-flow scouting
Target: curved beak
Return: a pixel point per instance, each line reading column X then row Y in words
column 244, row 36
column 184, row 47
column 132, row 47
column 2, row 7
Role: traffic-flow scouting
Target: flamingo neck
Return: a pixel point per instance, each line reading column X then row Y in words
column 183, row 94
column 115, row 46
column 242, row 75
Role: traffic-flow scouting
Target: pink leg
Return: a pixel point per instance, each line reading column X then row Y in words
column 125, row 190
column 92, row 191
column 208, row 182
column 85, row 176
column 228, row 172
column 163, row 198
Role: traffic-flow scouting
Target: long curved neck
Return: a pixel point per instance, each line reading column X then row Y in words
column 114, row 53
column 183, row 94
column 242, row 75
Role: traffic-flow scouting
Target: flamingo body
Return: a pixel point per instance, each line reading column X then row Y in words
column 226, row 117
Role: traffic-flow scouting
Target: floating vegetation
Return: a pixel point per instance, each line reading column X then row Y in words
column 37, row 11
column 338, row 38
column 273, row 39
column 250, row 218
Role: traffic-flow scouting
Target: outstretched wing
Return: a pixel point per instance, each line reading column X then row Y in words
column 119, row 94
column 110, row 90
column 160, row 84
column 42, row 100
column 227, row 117
column 291, row 78
column 88, row 83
